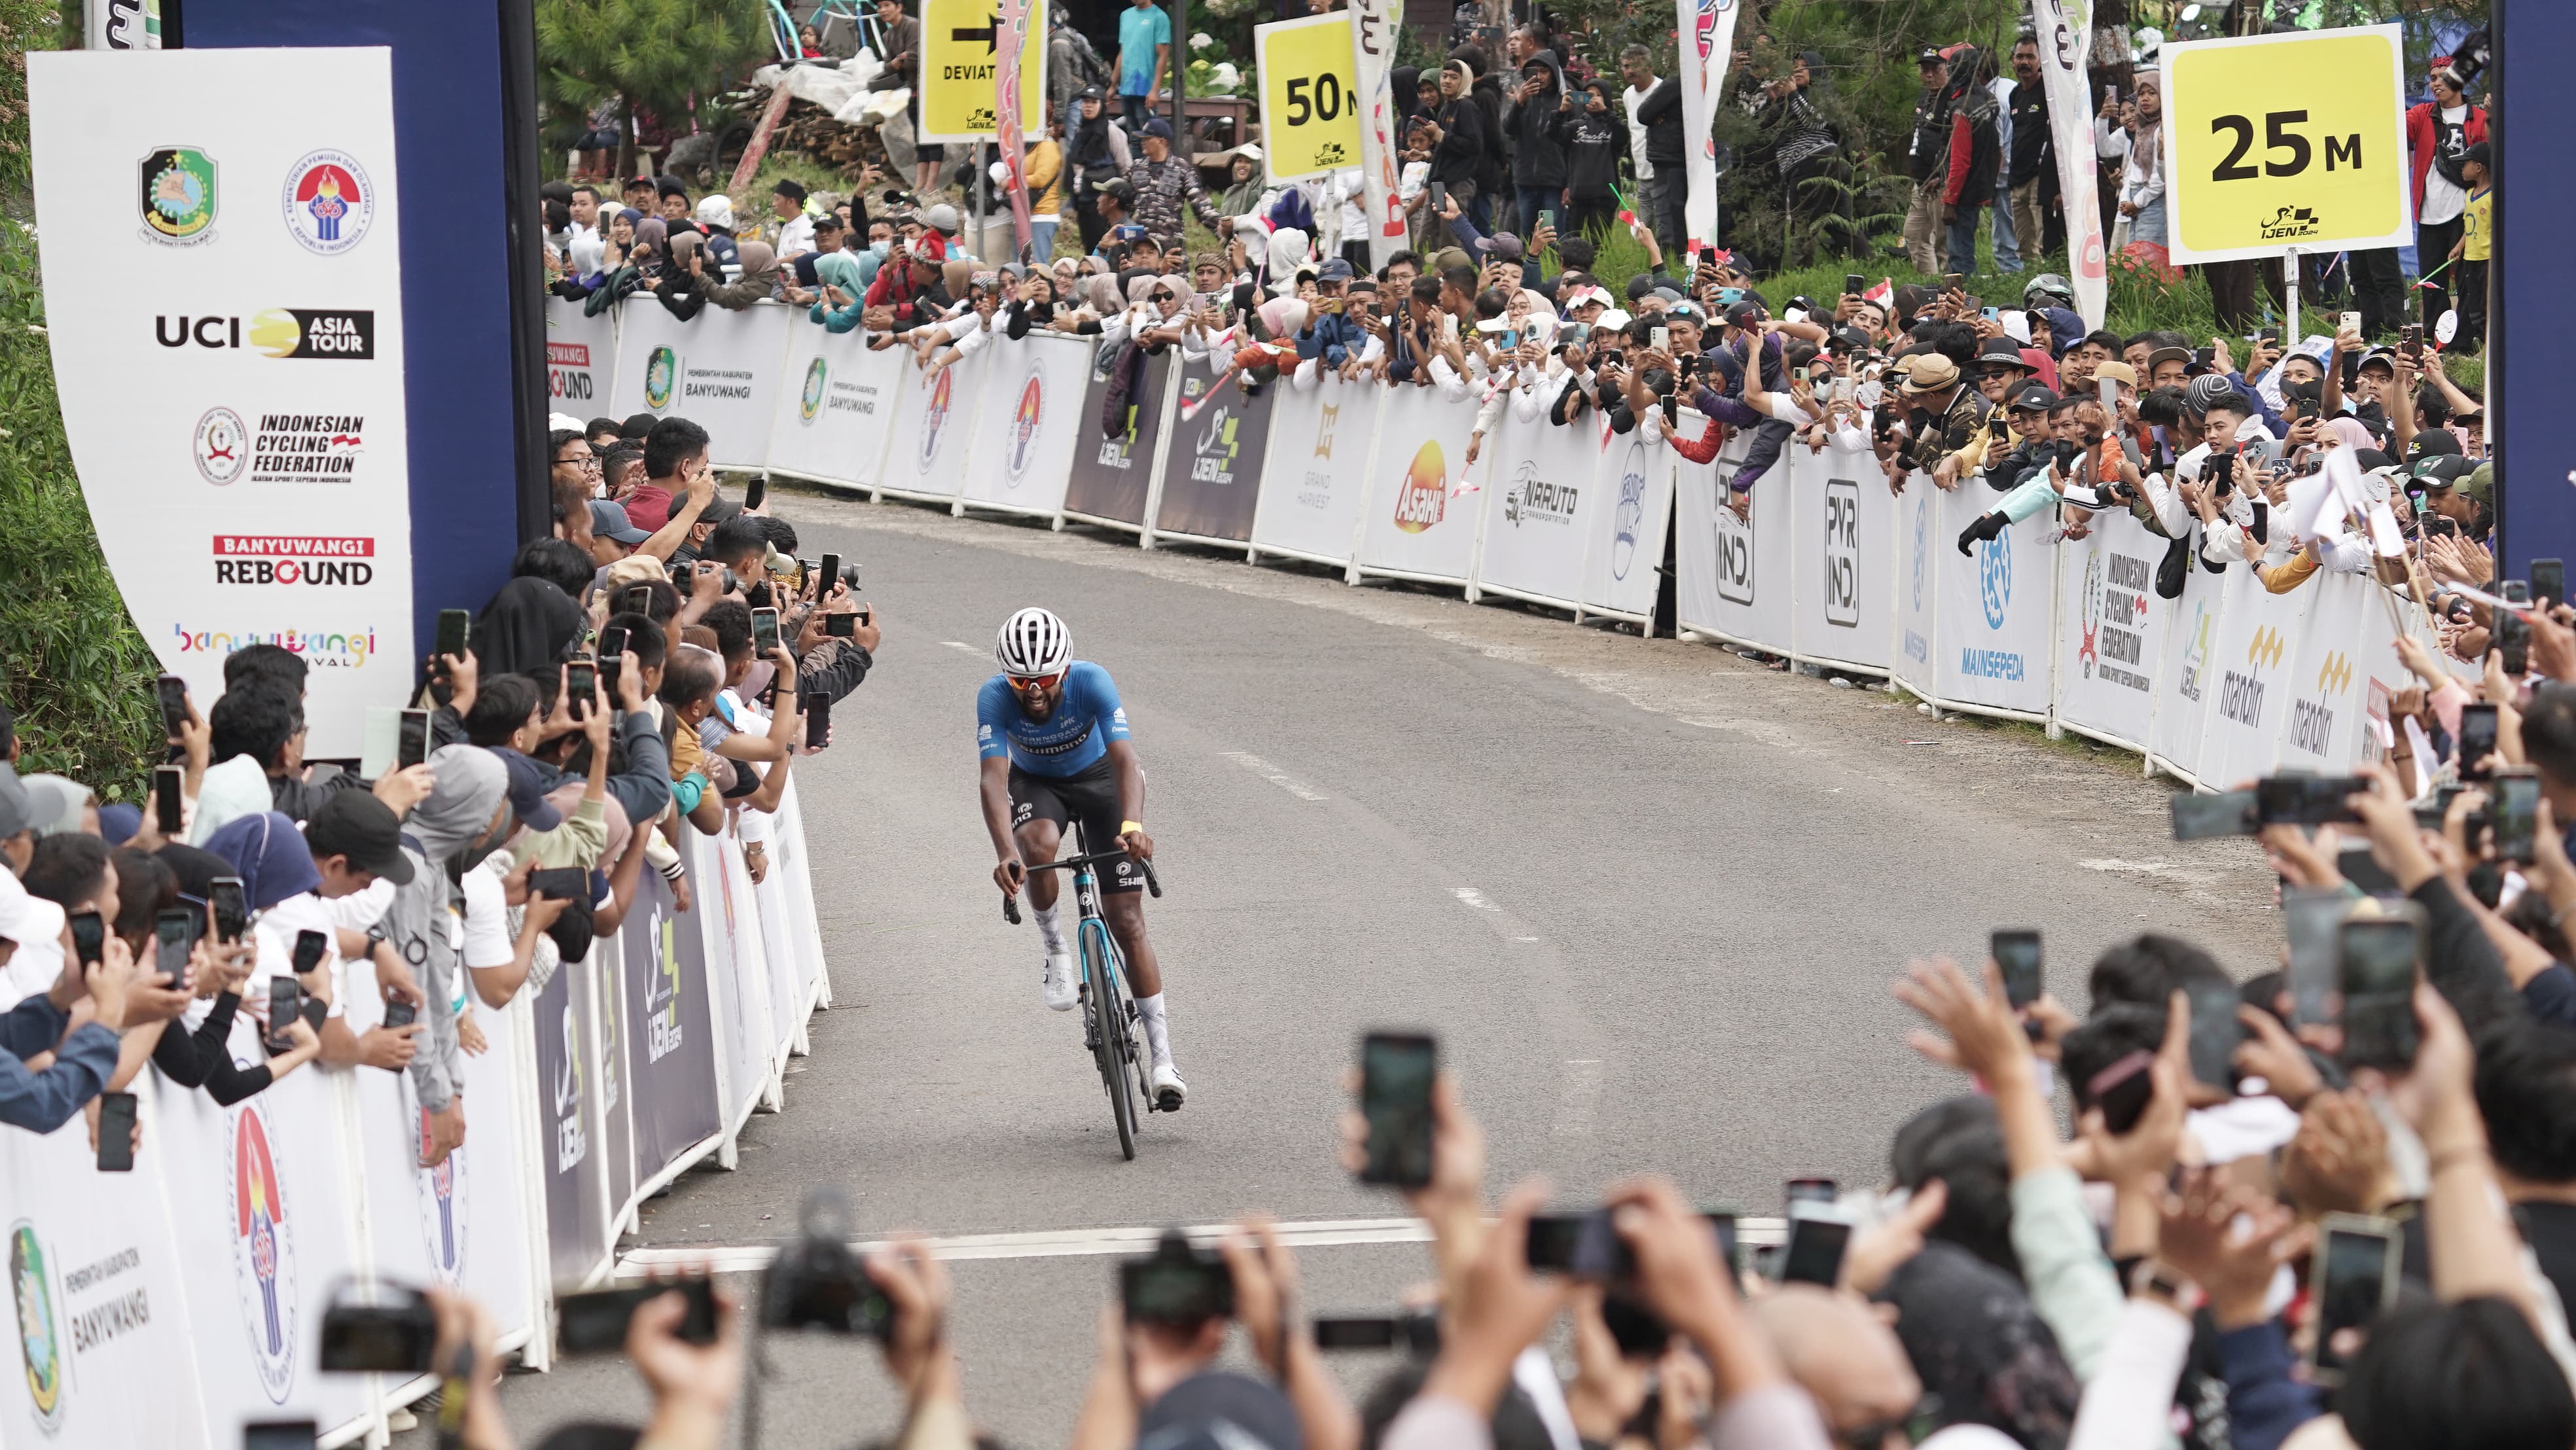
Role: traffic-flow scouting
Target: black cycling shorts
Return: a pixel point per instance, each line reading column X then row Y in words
column 1088, row 798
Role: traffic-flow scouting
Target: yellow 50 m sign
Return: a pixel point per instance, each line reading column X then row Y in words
column 1310, row 105
column 2280, row 141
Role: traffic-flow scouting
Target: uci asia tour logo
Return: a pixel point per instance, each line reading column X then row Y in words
column 661, row 376
column 328, row 202
column 40, row 1340
column 1025, row 418
column 263, row 1251
column 178, row 196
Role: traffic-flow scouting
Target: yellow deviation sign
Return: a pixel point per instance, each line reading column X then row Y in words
column 2280, row 141
column 1310, row 106
column 959, row 54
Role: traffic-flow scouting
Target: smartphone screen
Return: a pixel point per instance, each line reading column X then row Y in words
column 1374, row 1331
column 168, row 782
column 2549, row 580
column 280, row 1435
column 754, row 491
column 818, row 719
column 1814, row 1254
column 1396, row 1073
column 764, row 632
column 561, row 883
column 173, row 693
column 1854, row 283
column 2376, row 969
column 2512, row 641
column 2123, row 1090
column 595, row 1322
column 828, row 573
column 170, row 945
column 285, row 999
column 89, row 937
column 2477, row 739
column 2017, row 953
column 2305, row 800
column 581, row 683
column 401, row 1014
column 310, row 947
column 116, row 1132
column 2311, row 919
column 638, row 599
column 412, row 747
column 2215, row 1032
column 2354, row 1277
column 841, row 626
column 455, row 631
column 2514, row 810
column 2200, row 817
column 612, row 643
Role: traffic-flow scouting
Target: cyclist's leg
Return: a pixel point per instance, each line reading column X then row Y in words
column 1038, row 818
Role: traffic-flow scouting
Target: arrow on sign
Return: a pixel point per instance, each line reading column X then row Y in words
column 988, row 34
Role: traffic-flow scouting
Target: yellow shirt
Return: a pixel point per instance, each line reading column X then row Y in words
column 2478, row 222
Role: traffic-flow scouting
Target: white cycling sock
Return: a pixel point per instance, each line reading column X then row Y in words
column 1158, row 1033
column 1050, row 933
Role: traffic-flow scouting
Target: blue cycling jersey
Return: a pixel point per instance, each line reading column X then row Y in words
column 1075, row 738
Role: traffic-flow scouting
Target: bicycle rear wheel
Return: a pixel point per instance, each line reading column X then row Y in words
column 1115, row 1049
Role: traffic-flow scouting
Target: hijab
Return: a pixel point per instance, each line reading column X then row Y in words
column 270, row 857
column 652, row 244
column 1977, row 1343
column 528, row 625
column 1100, row 293
column 759, row 264
column 841, row 270
column 1283, row 317
column 1287, row 250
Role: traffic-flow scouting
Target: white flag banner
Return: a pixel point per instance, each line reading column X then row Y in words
column 2065, row 30
column 1373, row 25
column 1707, row 33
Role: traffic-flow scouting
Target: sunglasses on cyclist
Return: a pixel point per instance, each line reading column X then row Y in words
column 1032, row 683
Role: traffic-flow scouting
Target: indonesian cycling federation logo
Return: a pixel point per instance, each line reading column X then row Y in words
column 934, row 422
column 178, row 196
column 2088, row 651
column 263, row 1250
column 1631, row 512
column 328, row 202
column 1422, row 500
column 810, row 401
column 40, row 1339
column 221, row 445
column 1025, row 418
column 438, row 1193
column 1994, row 577
column 661, row 376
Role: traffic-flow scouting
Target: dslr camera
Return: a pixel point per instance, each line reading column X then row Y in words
column 1176, row 1284
column 817, row 1282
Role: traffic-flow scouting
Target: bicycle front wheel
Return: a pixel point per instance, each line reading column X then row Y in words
column 1115, row 1051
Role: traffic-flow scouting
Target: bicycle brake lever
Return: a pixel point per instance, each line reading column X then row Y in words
column 1011, row 910
column 1152, row 883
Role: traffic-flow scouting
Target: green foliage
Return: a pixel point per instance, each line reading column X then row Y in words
column 71, row 663
column 666, row 56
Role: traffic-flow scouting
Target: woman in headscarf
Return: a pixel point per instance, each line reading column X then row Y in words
column 1980, row 1347
column 759, row 279
column 1244, row 187
column 529, row 624
column 1032, row 306
column 641, row 268
column 843, row 298
column 683, row 284
column 464, row 819
column 1279, row 268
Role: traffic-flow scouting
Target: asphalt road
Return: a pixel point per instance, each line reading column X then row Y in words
column 1649, row 894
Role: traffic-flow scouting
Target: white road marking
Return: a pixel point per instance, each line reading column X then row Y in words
column 1474, row 898
column 961, row 644
column 1274, row 775
column 1088, row 1243
column 2165, row 869
column 1577, row 1105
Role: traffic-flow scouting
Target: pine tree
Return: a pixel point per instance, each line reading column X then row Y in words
column 666, row 57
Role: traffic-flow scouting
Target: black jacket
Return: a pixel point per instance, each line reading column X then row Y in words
column 1460, row 156
column 1538, row 153
column 1593, row 145
column 1660, row 112
column 2032, row 156
column 1930, row 155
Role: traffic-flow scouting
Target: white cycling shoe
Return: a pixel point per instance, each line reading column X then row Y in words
column 1055, row 985
column 1169, row 1090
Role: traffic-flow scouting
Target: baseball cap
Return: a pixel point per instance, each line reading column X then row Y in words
column 2206, row 391
column 2383, row 355
column 2164, row 355
column 1159, row 127
column 528, row 791
column 55, row 803
column 355, row 824
column 1119, row 187
column 1743, row 314
column 719, row 510
column 1931, row 56
column 1092, row 93
column 2431, row 443
column 1502, row 246
column 1930, row 372
column 2038, row 397
column 2480, row 484
column 2118, row 372
column 2444, row 470
column 942, row 218
column 608, row 520
column 1335, row 269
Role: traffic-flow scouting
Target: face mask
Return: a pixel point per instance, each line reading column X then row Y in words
column 880, row 249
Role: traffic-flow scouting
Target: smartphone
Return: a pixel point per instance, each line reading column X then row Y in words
column 173, row 693
column 764, row 632
column 1396, row 1073
column 412, row 745
column 1954, row 282
column 2376, row 967
column 2312, row 919
column 1434, row 196
column 280, row 1435
column 2123, row 1090
column 1578, row 1245
column 2477, row 739
column 89, row 937
column 2410, row 341
column 1414, row 1331
column 2549, row 580
column 2352, row 1278
column 561, row 883
column 170, row 942
column 2513, row 809
column 754, row 491
column 595, row 1322
column 1449, row 326
column 455, row 630
column 581, row 685
column 829, row 574
column 1662, row 336
column 841, row 626
column 636, row 599
column 2511, row 641
column 818, row 719
column 2306, row 800
column 310, row 946
column 1854, row 283
column 401, row 1014
column 168, row 781
column 1814, row 1253
column 2017, row 952
column 2215, row 1032
column 2200, row 817
column 2352, row 322
column 285, row 999
column 612, row 647
column 232, row 908
column 396, row 1337
column 116, row 1132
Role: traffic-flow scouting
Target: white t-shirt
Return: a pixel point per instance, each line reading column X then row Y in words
column 1633, row 98
column 796, row 236
column 483, row 935
column 2443, row 201
column 273, row 935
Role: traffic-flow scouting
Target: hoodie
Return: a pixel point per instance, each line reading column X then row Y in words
column 1538, row 151
column 1593, row 144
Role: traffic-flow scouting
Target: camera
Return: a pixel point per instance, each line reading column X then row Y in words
column 1176, row 1284
column 394, row 1334
column 817, row 1282
column 686, row 581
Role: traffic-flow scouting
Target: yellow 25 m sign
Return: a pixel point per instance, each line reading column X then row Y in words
column 2280, row 141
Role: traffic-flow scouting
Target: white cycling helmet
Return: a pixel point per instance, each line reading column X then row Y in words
column 1033, row 642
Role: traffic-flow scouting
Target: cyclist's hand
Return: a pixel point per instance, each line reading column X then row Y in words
column 1137, row 844
column 1010, row 875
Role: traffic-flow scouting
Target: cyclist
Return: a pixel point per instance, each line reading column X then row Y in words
column 1055, row 751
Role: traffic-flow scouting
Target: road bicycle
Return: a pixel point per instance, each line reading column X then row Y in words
column 1108, row 1012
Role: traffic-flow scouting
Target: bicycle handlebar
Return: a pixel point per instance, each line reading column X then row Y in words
column 1011, row 904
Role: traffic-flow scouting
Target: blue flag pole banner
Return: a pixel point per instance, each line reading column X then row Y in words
column 2535, row 212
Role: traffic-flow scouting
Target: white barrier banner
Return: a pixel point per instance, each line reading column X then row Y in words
column 1918, row 600
column 1541, row 508
column 790, row 864
column 2110, row 629
column 2329, row 682
column 719, row 370
column 1414, row 522
column 2249, row 697
column 2184, row 673
column 726, row 913
column 836, row 405
column 934, row 413
column 228, row 349
column 1992, row 648
column 1315, row 473
column 581, row 359
column 1843, row 560
column 1030, row 423
column 1632, row 504
column 1734, row 572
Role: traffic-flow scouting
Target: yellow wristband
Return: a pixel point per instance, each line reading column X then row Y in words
column 1124, row 827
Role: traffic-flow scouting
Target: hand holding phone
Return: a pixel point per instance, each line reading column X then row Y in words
column 116, row 1132
column 1397, row 1074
